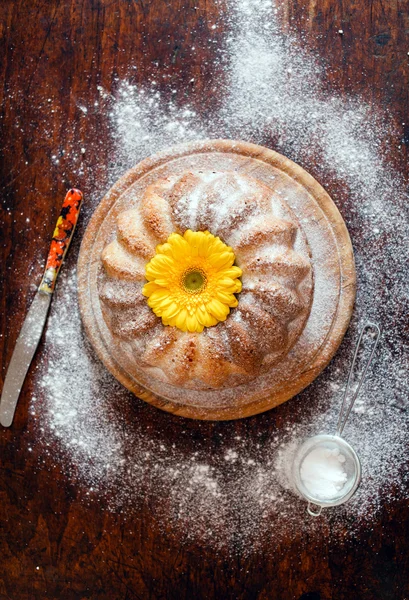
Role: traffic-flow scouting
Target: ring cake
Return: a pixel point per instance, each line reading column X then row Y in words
column 216, row 279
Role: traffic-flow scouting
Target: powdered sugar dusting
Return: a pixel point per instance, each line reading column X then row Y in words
column 240, row 357
column 76, row 416
column 234, row 490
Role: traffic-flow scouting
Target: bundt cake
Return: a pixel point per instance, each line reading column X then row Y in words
column 216, row 279
column 202, row 284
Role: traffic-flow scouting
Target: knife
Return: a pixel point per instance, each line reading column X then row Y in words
column 33, row 325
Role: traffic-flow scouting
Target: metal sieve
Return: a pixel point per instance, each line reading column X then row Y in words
column 352, row 465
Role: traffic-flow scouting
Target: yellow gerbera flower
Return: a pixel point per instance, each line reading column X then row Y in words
column 192, row 281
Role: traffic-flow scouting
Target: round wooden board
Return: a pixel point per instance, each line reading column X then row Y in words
column 331, row 249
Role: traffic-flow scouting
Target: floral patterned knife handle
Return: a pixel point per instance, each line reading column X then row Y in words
column 62, row 237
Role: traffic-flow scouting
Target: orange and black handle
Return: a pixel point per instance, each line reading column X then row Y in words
column 62, row 236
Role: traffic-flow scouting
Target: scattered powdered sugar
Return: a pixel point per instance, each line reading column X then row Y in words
column 76, row 414
column 235, row 490
column 144, row 123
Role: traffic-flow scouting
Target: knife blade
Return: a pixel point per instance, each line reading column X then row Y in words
column 32, row 329
column 23, row 353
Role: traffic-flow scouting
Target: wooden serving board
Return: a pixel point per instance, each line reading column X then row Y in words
column 331, row 256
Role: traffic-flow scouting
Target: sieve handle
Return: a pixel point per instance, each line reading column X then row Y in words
column 311, row 511
column 345, row 410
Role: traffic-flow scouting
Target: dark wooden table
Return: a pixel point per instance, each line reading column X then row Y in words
column 62, row 50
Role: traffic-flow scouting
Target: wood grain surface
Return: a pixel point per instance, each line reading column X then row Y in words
column 53, row 544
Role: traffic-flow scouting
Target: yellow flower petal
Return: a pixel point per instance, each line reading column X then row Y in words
column 161, row 261
column 171, row 311
column 152, row 271
column 226, row 298
column 164, row 249
column 232, row 272
column 159, row 294
column 191, row 323
column 180, row 248
column 227, row 285
column 181, row 319
column 218, row 309
column 203, row 245
column 204, row 317
column 149, row 288
column 222, row 260
column 166, row 302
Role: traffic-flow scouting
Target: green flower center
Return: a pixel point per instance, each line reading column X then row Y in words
column 194, row 281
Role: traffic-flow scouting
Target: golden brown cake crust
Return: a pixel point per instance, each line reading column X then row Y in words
column 286, row 233
column 262, row 231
